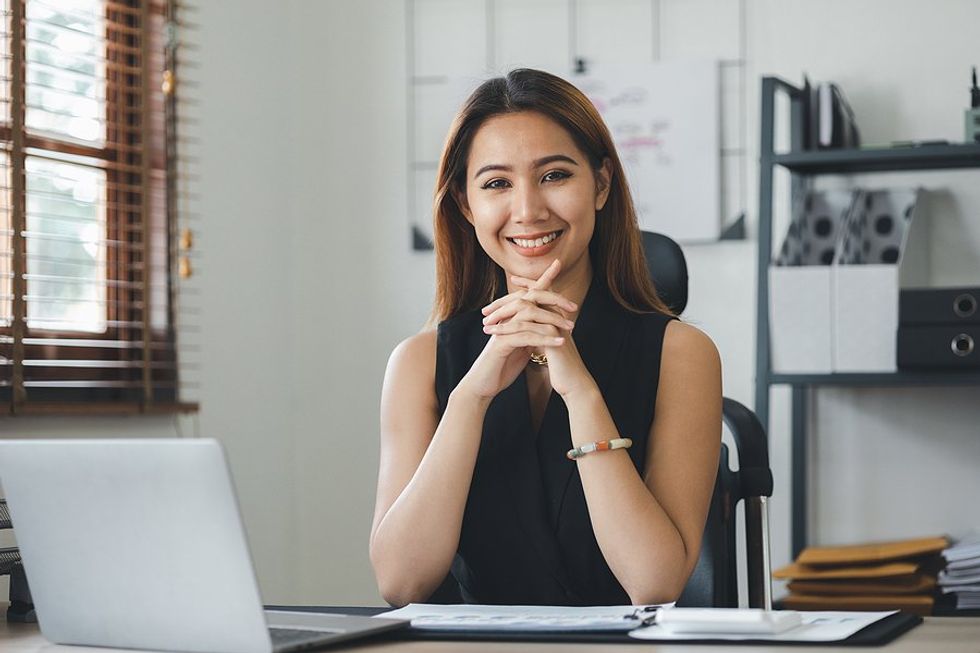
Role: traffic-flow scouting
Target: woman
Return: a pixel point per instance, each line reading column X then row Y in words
column 550, row 338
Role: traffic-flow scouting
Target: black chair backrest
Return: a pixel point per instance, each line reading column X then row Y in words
column 668, row 269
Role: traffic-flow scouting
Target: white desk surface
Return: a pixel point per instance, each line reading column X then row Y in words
column 936, row 635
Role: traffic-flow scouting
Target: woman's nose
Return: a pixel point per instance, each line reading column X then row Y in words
column 529, row 205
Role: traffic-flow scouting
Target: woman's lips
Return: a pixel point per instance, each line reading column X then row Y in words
column 536, row 250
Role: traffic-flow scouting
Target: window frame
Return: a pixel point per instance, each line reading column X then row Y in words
column 136, row 165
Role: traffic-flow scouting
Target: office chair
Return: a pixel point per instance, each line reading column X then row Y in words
column 714, row 580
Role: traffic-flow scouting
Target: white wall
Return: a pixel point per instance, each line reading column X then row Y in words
column 304, row 240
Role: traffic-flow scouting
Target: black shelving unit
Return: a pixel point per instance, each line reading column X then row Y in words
column 803, row 164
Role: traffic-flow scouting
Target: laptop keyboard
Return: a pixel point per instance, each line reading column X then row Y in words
column 291, row 637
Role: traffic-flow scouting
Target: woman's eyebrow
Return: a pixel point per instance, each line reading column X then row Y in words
column 554, row 157
column 537, row 163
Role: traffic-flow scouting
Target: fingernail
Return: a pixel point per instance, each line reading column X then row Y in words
column 485, row 319
column 559, row 341
column 569, row 324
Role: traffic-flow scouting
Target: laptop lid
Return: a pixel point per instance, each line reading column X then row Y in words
column 133, row 544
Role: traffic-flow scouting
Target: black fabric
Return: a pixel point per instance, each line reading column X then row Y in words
column 526, row 536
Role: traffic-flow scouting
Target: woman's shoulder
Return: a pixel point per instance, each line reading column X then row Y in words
column 686, row 344
column 415, row 352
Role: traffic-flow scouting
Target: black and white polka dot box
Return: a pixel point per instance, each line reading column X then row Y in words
column 801, row 281
column 883, row 248
column 876, row 229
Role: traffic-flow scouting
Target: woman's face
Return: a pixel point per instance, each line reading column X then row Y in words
column 532, row 196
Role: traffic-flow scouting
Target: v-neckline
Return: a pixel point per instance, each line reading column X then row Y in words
column 536, row 427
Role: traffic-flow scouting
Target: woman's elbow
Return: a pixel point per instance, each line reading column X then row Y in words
column 666, row 588
column 401, row 593
column 654, row 595
column 399, row 586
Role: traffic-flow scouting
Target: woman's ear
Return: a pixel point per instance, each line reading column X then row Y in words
column 464, row 206
column 603, row 183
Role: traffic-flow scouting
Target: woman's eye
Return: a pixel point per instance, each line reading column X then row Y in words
column 556, row 175
column 495, row 184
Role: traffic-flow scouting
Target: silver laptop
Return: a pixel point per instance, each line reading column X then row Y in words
column 139, row 544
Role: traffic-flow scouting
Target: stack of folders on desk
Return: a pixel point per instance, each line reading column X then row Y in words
column 961, row 577
column 881, row 576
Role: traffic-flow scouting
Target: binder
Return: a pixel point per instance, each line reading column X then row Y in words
column 935, row 306
column 939, row 347
column 828, row 118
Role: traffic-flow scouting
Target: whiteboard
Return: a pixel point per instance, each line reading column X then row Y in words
column 665, row 120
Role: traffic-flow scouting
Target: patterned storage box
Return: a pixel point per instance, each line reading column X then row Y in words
column 884, row 247
column 801, row 284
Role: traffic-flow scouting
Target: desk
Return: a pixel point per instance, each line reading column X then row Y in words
column 937, row 634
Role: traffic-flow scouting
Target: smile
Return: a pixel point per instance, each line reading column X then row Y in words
column 537, row 241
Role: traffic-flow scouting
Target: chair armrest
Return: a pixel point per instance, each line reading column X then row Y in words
column 751, row 444
column 755, row 484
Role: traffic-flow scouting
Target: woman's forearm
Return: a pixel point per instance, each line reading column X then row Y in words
column 642, row 546
column 414, row 543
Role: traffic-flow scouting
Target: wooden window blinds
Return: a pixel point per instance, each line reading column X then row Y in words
column 91, row 250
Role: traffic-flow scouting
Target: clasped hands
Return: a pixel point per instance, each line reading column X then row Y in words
column 530, row 319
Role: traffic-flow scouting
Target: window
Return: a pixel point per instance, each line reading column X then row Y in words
column 89, row 257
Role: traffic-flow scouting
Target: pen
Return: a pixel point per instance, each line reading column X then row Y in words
column 645, row 615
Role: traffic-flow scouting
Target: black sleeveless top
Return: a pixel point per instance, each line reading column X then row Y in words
column 526, row 536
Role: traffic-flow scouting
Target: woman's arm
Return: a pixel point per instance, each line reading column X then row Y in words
column 649, row 529
column 424, row 475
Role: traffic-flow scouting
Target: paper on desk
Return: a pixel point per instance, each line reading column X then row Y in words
column 816, row 627
column 521, row 618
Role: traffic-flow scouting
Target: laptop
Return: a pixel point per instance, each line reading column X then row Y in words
column 139, row 544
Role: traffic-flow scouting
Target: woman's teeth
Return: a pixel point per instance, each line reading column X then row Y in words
column 538, row 242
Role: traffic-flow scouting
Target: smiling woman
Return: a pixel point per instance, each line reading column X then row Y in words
column 555, row 439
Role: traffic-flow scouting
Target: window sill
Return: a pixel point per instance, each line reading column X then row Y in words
column 99, row 409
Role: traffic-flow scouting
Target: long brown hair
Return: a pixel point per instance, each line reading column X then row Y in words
column 466, row 277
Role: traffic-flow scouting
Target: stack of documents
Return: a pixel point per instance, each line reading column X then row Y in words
column 881, row 576
column 961, row 577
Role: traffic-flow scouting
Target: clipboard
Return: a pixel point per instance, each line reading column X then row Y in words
column 877, row 634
